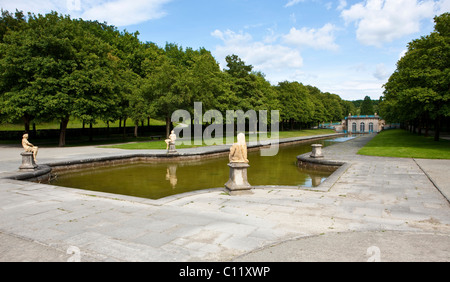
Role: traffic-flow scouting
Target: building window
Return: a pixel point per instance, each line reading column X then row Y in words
column 362, row 127
column 354, row 127
column 371, row 127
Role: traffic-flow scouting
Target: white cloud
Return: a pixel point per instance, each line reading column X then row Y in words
column 381, row 72
column 380, row 21
column 277, row 55
column 442, row 6
column 322, row 38
column 342, row 5
column 123, row 12
column 263, row 56
column 357, row 89
column 37, row 7
column 114, row 12
column 292, row 3
column 348, row 82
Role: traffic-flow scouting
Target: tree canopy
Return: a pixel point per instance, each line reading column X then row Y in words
column 53, row 67
column 367, row 106
column 418, row 92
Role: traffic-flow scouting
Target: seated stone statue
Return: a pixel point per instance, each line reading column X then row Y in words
column 172, row 138
column 238, row 152
column 29, row 147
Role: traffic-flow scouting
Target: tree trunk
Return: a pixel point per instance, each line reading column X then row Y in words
column 437, row 129
column 168, row 121
column 27, row 121
column 136, row 126
column 419, row 127
column 62, row 131
column 124, row 128
column 91, row 132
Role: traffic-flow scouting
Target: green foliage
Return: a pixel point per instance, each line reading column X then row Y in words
column 10, row 22
column 367, row 107
column 295, row 102
column 418, row 91
column 162, row 144
column 54, row 68
column 236, row 67
column 403, row 144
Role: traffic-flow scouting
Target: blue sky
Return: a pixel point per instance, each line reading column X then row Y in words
column 346, row 47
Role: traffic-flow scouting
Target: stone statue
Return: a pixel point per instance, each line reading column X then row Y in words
column 172, row 138
column 29, row 147
column 238, row 152
column 237, row 183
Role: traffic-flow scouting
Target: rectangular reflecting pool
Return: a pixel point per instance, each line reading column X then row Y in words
column 155, row 180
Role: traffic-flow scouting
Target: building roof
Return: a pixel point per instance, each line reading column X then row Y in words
column 363, row 116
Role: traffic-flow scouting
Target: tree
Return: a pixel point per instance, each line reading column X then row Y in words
column 135, row 61
column 206, row 79
column 367, row 107
column 320, row 114
column 418, row 91
column 236, row 67
column 10, row 22
column 295, row 103
column 15, row 104
column 55, row 68
column 168, row 88
column 348, row 108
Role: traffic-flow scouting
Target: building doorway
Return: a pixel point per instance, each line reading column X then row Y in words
column 371, row 127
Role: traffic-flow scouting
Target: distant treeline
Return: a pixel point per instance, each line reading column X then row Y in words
column 54, row 68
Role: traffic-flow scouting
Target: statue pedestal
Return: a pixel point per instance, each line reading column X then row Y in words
column 172, row 149
column 28, row 163
column 238, row 184
column 316, row 151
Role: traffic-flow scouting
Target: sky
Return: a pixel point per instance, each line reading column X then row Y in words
column 345, row 47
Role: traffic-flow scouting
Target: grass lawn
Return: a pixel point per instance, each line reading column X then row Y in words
column 73, row 123
column 403, row 144
column 162, row 145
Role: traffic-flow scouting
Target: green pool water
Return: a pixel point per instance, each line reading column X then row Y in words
column 155, row 180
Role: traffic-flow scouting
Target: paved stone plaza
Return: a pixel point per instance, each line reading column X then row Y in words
column 373, row 207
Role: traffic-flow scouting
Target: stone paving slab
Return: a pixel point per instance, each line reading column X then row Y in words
column 382, row 246
column 438, row 172
column 373, row 198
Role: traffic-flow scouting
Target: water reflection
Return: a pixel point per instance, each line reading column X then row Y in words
column 315, row 177
column 156, row 180
column 171, row 175
column 343, row 139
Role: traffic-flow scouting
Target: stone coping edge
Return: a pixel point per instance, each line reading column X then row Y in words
column 338, row 167
column 43, row 172
column 40, row 173
column 212, row 152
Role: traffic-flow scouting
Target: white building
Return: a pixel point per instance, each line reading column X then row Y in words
column 363, row 124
